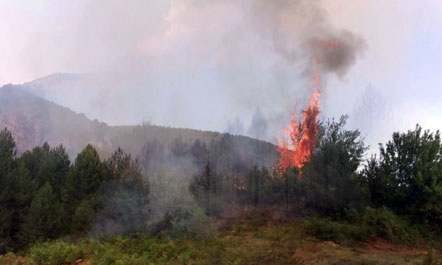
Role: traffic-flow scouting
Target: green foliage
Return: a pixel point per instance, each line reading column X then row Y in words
column 43, row 197
column 130, row 250
column 204, row 188
column 84, row 214
column 408, row 175
column 18, row 190
column 87, row 175
column 8, row 212
column 48, row 165
column 42, row 219
column 382, row 222
column 124, row 196
column 7, row 152
column 257, row 180
column 339, row 232
column 184, row 221
column 368, row 224
column 55, row 253
column 330, row 181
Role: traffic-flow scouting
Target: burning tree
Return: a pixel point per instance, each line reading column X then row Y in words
column 302, row 134
column 302, row 137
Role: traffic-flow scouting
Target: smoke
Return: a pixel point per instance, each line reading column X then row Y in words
column 235, row 127
column 300, row 32
column 182, row 63
column 373, row 117
column 259, row 127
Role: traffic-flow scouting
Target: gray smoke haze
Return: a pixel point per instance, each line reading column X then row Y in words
column 183, row 63
column 200, row 63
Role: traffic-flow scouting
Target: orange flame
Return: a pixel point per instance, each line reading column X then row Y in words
column 239, row 187
column 302, row 137
column 302, row 134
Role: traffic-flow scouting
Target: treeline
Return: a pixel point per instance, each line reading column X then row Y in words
column 226, row 153
column 329, row 182
column 406, row 178
column 45, row 196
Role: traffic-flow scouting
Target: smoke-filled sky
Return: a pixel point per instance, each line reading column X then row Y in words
column 200, row 64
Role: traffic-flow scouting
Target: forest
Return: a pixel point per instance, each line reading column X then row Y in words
column 133, row 210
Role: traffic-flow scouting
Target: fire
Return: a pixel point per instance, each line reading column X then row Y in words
column 327, row 44
column 239, row 187
column 301, row 137
column 302, row 133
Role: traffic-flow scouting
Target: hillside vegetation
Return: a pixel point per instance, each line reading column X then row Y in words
column 214, row 201
column 255, row 237
column 34, row 121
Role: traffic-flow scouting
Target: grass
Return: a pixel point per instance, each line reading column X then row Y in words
column 254, row 238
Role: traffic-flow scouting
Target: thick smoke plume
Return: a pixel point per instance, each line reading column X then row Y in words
column 299, row 31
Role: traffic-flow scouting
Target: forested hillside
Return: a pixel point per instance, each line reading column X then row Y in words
column 115, row 211
column 34, row 121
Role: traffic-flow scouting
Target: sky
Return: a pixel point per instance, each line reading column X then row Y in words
column 200, row 64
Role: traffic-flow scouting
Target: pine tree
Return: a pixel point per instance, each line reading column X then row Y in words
column 124, row 196
column 7, row 152
column 203, row 185
column 87, row 174
column 42, row 220
column 7, row 193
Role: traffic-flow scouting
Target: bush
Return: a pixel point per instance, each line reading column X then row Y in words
column 183, row 221
column 54, row 253
column 382, row 222
column 339, row 232
column 135, row 249
column 368, row 224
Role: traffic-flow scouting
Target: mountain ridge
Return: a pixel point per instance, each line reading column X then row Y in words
column 34, row 120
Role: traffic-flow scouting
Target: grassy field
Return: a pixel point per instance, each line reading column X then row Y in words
column 253, row 238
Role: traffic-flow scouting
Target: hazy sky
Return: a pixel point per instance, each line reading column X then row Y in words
column 196, row 63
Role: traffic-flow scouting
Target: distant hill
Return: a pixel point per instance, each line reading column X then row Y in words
column 34, row 120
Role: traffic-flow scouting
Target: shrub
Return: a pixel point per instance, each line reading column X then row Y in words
column 382, row 222
column 134, row 249
column 339, row 232
column 54, row 253
column 370, row 223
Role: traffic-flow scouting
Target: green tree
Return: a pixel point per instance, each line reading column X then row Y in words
column 18, row 189
column 47, row 164
column 85, row 178
column 7, row 152
column 408, row 175
column 331, row 182
column 125, row 196
column 203, row 187
column 7, row 193
column 87, row 174
column 257, row 179
column 42, row 220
